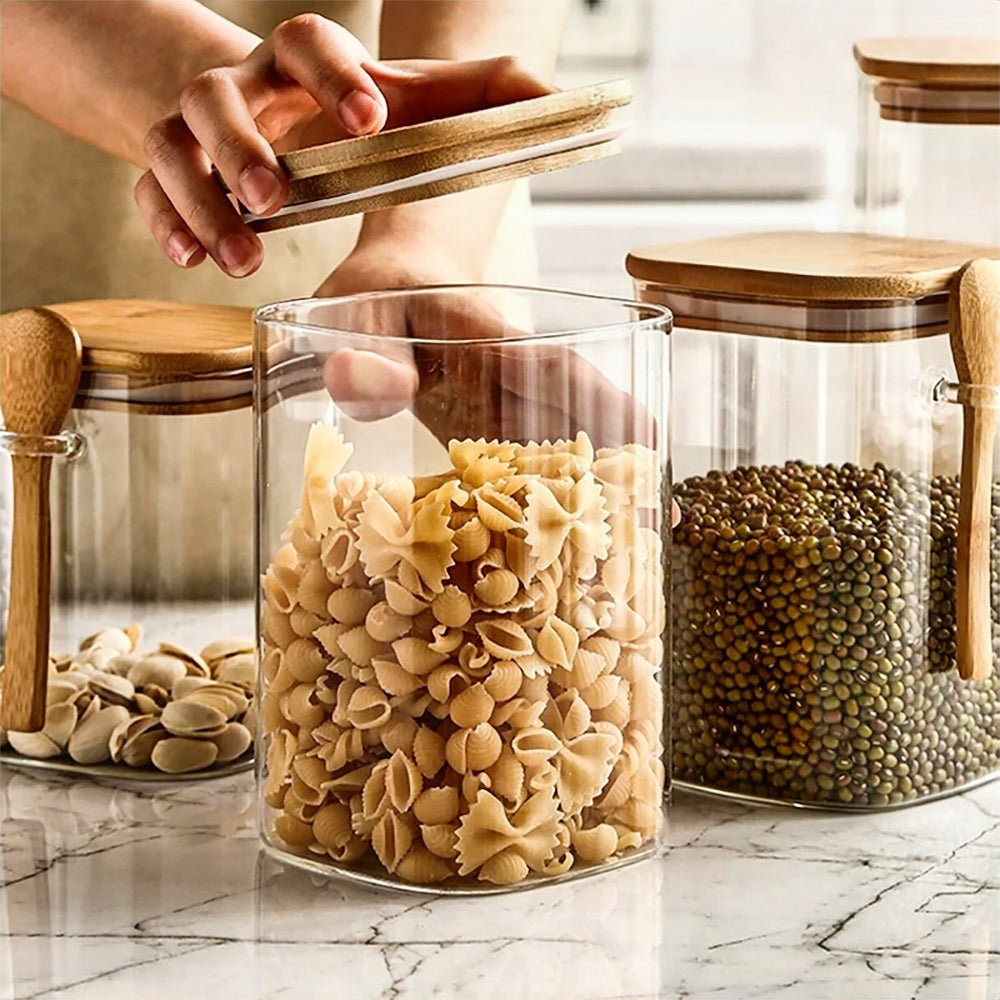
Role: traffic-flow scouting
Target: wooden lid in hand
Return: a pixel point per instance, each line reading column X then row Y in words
column 440, row 157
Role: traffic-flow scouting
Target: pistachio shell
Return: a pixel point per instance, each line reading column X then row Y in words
column 191, row 718
column 196, row 666
column 127, row 730
column 147, row 705
column 123, row 663
column 177, row 755
column 112, row 689
column 110, row 638
column 186, row 685
column 233, row 742
column 238, row 669
column 60, row 690
column 159, row 669
column 91, row 741
column 60, row 721
column 37, row 745
column 225, row 648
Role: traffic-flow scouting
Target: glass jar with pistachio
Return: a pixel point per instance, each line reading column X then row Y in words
column 834, row 583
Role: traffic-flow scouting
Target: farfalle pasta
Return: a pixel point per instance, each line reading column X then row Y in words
column 462, row 672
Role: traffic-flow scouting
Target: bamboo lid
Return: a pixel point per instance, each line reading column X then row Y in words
column 934, row 80
column 823, row 286
column 491, row 146
column 162, row 357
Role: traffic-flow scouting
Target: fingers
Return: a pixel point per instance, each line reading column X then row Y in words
column 182, row 178
column 518, row 391
column 307, row 63
column 216, row 112
column 368, row 385
column 421, row 90
column 326, row 61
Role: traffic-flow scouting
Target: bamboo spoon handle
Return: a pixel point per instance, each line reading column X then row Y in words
column 40, row 362
column 28, row 615
column 975, row 342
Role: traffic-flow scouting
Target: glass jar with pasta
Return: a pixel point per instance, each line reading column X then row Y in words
column 461, row 531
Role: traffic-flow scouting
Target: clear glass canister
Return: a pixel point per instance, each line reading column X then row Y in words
column 817, row 571
column 929, row 137
column 461, row 547
column 152, row 579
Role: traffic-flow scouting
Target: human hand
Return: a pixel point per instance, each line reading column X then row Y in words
column 483, row 382
column 309, row 81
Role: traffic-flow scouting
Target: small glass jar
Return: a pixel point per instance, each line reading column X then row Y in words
column 929, row 137
column 462, row 613
column 152, row 542
column 815, row 568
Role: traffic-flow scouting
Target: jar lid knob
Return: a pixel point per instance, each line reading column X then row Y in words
column 40, row 363
column 975, row 345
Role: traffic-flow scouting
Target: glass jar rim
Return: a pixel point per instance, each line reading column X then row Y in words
column 655, row 318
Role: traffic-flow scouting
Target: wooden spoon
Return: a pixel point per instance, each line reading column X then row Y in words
column 975, row 345
column 40, row 359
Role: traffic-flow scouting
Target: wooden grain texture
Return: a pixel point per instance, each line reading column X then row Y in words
column 144, row 337
column 969, row 61
column 339, row 169
column 420, row 192
column 937, row 103
column 975, row 344
column 338, row 183
column 40, row 362
column 806, row 266
column 524, row 118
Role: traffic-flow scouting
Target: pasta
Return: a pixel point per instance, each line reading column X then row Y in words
column 462, row 671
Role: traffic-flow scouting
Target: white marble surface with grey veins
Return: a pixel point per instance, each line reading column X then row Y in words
column 117, row 894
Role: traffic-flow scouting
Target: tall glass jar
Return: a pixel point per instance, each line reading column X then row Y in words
column 462, row 611
column 816, row 572
column 152, row 582
column 929, row 137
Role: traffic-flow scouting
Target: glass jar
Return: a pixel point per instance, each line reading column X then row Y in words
column 462, row 613
column 816, row 572
column 929, row 137
column 152, row 582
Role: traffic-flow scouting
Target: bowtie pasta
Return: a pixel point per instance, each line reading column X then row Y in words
column 462, row 672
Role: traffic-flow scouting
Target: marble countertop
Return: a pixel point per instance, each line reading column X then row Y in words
column 118, row 894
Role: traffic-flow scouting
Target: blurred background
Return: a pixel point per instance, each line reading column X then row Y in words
column 745, row 118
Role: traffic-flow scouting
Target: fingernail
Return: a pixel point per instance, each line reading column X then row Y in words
column 259, row 188
column 239, row 254
column 359, row 112
column 181, row 247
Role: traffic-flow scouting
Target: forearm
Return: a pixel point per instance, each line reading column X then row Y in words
column 464, row 29
column 105, row 71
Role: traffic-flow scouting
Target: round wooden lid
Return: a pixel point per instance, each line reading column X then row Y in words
column 149, row 338
column 408, row 164
column 973, row 62
column 150, row 357
column 807, row 267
